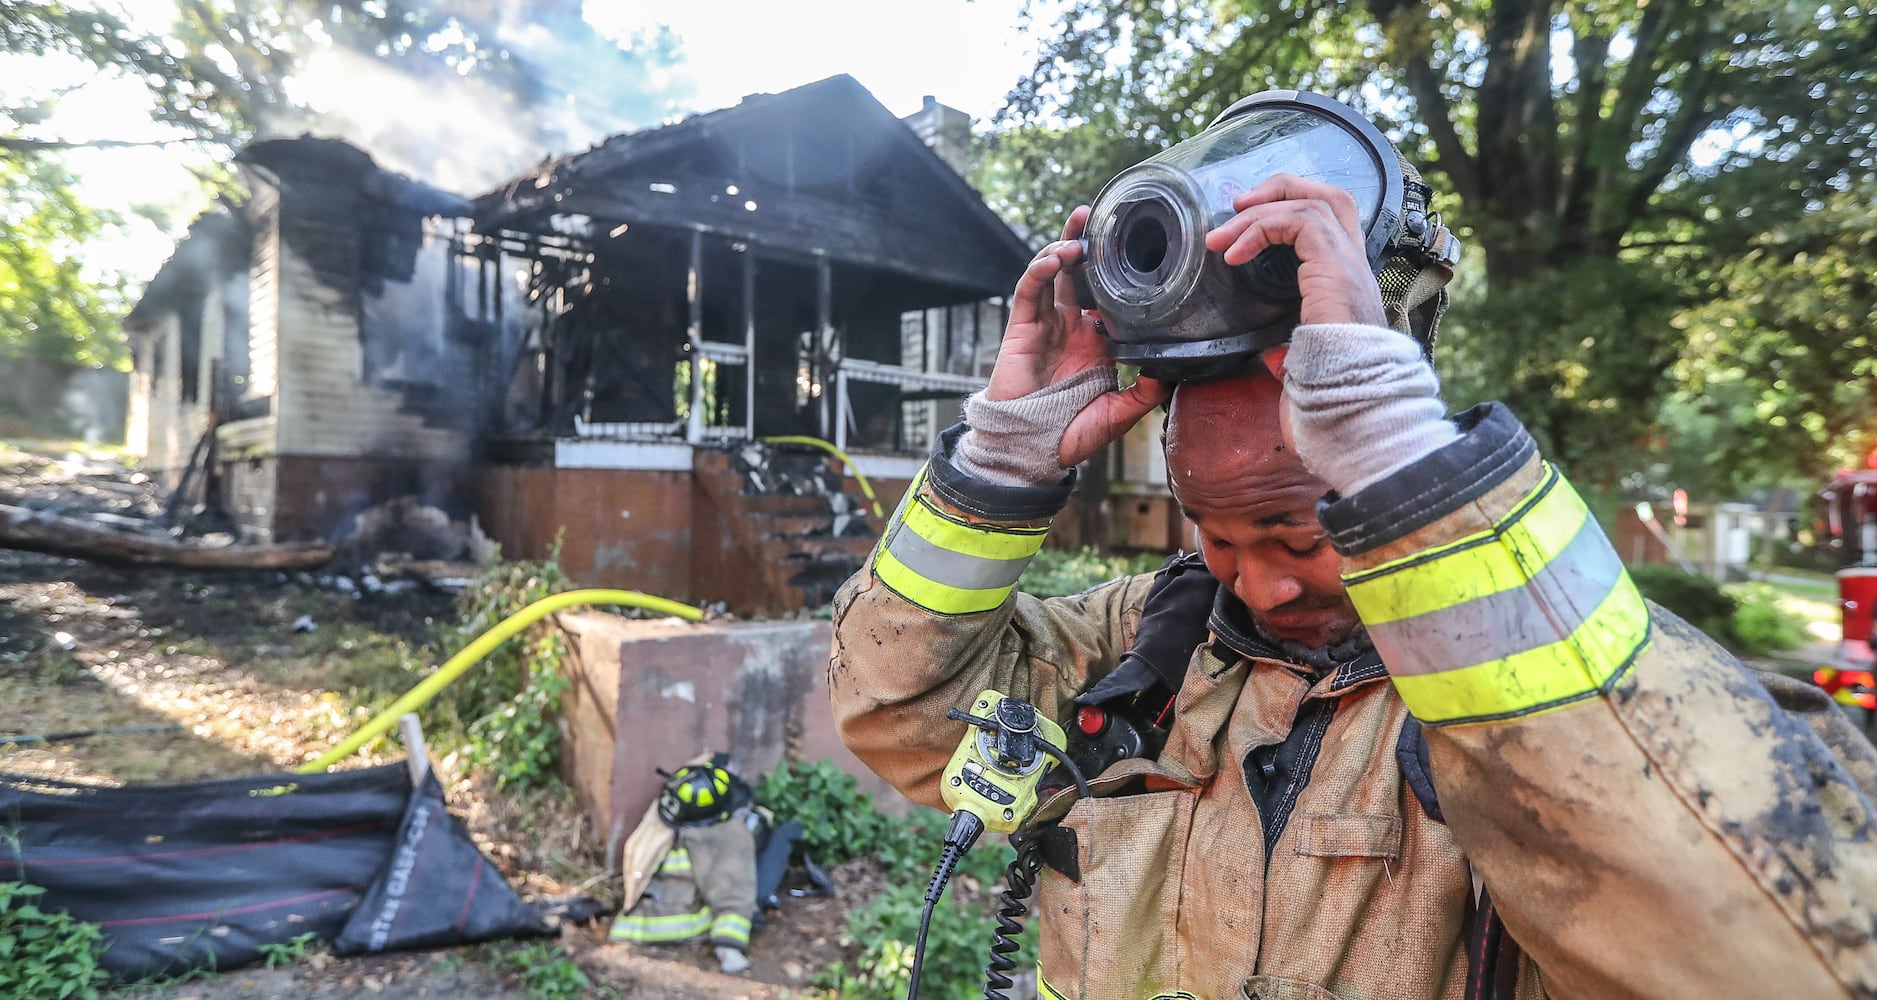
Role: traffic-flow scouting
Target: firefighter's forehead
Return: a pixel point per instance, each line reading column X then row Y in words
column 1224, row 416
column 1226, row 454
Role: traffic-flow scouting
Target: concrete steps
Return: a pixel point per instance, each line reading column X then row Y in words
column 786, row 541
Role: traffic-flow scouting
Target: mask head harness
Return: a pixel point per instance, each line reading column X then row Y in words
column 1179, row 311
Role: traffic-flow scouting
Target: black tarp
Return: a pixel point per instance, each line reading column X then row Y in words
column 200, row 875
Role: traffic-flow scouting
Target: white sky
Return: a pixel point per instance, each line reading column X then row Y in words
column 966, row 53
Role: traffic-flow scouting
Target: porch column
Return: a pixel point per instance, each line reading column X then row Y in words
column 824, row 335
column 749, row 341
column 694, row 299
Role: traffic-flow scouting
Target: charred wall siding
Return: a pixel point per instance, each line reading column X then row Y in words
column 327, row 403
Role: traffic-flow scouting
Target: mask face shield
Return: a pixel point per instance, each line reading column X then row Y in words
column 1175, row 309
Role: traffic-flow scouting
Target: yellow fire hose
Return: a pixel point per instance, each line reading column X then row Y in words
column 485, row 644
column 865, row 487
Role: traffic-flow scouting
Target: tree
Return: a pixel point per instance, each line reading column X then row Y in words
column 221, row 73
column 1789, row 345
column 1605, row 161
column 48, row 309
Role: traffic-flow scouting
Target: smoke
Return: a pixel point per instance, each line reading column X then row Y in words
column 460, row 135
column 538, row 81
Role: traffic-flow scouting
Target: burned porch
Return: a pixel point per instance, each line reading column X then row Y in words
column 800, row 265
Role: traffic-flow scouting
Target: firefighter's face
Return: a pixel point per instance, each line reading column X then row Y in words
column 1255, row 506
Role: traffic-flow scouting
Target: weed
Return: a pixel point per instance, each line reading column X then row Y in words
column 547, row 973
column 511, row 700
column 838, row 821
column 278, row 953
column 841, row 822
column 45, row 953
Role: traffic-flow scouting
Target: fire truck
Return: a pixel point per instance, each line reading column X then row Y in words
column 1851, row 524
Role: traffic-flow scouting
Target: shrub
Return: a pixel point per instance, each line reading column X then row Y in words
column 1759, row 625
column 838, row 821
column 1746, row 618
column 1057, row 573
column 1695, row 598
column 45, row 953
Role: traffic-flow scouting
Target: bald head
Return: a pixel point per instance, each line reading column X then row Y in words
column 1254, row 504
column 1239, row 414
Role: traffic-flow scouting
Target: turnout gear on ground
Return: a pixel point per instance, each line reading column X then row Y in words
column 1646, row 817
column 690, row 866
column 705, row 885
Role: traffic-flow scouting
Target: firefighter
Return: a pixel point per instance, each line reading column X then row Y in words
column 1431, row 743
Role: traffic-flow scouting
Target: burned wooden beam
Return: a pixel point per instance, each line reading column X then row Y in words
column 37, row 531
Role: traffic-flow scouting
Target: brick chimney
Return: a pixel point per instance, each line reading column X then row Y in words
column 946, row 130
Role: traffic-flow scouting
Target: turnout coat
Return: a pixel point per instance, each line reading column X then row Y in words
column 1647, row 817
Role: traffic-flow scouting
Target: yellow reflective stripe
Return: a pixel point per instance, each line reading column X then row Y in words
column 660, row 929
column 1568, row 670
column 677, row 862
column 982, row 540
column 945, row 564
column 1491, row 562
column 934, row 596
column 733, row 927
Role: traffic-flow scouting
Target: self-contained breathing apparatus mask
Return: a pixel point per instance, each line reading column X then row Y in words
column 1178, row 311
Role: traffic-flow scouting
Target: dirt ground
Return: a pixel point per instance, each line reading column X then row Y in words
column 217, row 657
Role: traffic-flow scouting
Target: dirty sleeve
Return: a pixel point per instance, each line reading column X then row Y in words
column 934, row 617
column 1650, row 818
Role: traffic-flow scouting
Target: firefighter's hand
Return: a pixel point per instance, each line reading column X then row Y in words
column 1050, row 338
column 1319, row 222
column 1360, row 401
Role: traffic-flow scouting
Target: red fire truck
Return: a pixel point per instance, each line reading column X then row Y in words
column 1851, row 522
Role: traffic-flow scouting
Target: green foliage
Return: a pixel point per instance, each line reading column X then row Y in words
column 220, row 70
column 841, row 823
column 1784, row 359
column 275, row 954
column 547, row 973
column 1759, row 625
column 838, row 821
column 45, row 953
column 1633, row 183
column 49, row 310
column 1056, row 573
column 510, row 702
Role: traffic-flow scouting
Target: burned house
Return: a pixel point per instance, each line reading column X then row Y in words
column 800, row 265
column 599, row 353
column 294, row 363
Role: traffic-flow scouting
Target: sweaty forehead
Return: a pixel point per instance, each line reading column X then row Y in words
column 1226, row 455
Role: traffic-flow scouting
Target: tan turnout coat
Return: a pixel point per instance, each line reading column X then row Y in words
column 1682, row 828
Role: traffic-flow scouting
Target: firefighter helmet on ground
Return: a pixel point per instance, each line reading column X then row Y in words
column 701, row 794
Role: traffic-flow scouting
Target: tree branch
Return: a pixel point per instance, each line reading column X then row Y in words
column 1411, row 49
column 1638, row 83
column 21, row 145
column 1693, row 118
column 1589, row 50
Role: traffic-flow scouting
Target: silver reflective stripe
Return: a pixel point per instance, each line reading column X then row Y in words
column 1548, row 608
column 953, row 569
